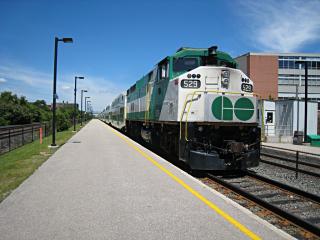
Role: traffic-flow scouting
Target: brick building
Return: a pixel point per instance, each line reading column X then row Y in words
column 276, row 76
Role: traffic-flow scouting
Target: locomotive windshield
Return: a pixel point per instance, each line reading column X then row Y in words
column 212, row 60
column 185, row 64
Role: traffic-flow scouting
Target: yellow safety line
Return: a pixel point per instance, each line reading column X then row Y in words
column 214, row 207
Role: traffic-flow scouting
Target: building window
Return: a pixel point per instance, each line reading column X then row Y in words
column 289, row 62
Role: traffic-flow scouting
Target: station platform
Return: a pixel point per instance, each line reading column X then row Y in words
column 102, row 185
column 290, row 146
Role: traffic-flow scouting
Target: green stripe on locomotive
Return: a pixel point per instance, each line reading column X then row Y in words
column 139, row 89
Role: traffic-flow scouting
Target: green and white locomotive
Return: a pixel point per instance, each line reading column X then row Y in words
column 196, row 105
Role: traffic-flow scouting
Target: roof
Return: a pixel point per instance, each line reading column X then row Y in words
column 279, row 54
column 187, row 51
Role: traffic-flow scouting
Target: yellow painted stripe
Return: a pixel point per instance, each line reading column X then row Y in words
column 226, row 216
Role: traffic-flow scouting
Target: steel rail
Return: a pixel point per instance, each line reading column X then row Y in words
column 281, row 185
column 291, row 217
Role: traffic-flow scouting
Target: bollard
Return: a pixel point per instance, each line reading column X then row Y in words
column 297, row 163
column 40, row 135
column 22, row 136
column 9, row 140
column 32, row 133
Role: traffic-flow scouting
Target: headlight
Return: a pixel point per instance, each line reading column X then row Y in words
column 225, row 82
column 225, row 73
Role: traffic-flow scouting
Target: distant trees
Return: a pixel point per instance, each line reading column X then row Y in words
column 16, row 110
column 64, row 117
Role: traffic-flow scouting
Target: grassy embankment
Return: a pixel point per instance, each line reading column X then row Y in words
column 19, row 164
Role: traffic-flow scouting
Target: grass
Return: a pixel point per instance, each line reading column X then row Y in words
column 19, row 164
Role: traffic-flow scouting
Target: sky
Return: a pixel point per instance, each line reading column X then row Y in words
column 117, row 42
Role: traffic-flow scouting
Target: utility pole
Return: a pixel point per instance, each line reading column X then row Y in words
column 305, row 97
column 54, row 99
column 75, row 102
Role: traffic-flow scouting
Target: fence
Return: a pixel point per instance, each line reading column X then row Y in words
column 14, row 136
column 298, row 161
column 277, row 130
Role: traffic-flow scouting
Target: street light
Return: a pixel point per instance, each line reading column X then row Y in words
column 75, row 102
column 85, row 107
column 56, row 40
column 305, row 63
column 88, row 105
column 82, row 91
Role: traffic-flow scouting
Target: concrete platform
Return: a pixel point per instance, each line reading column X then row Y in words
column 290, row 146
column 101, row 185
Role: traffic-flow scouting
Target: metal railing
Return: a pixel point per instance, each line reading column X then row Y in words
column 298, row 158
column 277, row 130
column 14, row 136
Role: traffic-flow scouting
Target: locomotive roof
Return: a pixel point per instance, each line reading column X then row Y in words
column 187, row 51
column 184, row 52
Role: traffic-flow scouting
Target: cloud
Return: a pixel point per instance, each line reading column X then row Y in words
column 24, row 74
column 65, row 87
column 101, row 90
column 35, row 84
column 284, row 26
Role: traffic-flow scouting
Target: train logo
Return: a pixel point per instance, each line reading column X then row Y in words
column 223, row 108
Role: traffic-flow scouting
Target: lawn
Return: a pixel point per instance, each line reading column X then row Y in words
column 19, row 164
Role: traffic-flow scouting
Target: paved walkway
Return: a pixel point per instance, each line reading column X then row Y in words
column 100, row 185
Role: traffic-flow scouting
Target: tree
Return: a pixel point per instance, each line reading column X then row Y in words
column 15, row 110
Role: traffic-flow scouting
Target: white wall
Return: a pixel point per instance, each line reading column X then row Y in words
column 312, row 117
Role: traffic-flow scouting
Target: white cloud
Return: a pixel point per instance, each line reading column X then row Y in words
column 26, row 75
column 284, row 26
column 101, row 90
column 64, row 87
column 35, row 84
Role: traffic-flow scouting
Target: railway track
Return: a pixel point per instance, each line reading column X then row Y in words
column 302, row 209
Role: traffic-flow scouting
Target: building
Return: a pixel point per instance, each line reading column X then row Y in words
column 281, row 118
column 276, row 76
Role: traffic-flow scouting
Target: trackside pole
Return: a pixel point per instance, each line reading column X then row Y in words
column 40, row 135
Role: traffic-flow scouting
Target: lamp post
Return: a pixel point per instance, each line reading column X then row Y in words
column 82, row 91
column 89, row 107
column 305, row 63
column 54, row 104
column 85, row 107
column 75, row 102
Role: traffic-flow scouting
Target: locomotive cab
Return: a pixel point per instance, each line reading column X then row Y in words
column 217, row 114
column 198, row 106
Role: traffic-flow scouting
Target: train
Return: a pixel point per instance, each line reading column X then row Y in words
column 194, row 105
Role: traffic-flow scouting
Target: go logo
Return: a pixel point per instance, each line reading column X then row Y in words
column 223, row 109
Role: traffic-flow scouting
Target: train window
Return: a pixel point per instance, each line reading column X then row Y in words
column 269, row 117
column 185, row 64
column 163, row 71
